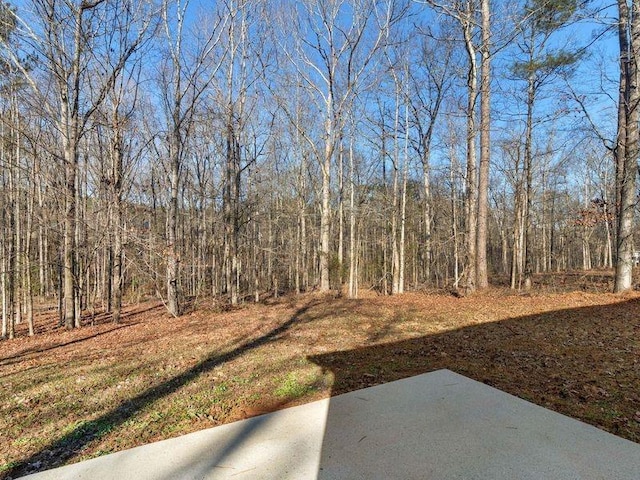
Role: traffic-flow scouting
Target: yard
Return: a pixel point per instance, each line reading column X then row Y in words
column 70, row 396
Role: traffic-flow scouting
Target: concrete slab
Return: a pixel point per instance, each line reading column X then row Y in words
column 439, row 425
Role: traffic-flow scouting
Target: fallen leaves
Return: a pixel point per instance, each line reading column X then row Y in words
column 154, row 377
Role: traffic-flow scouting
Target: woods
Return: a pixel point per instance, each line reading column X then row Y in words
column 232, row 151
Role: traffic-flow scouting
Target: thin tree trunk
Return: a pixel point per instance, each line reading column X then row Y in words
column 303, row 242
column 78, row 257
column 340, row 213
column 232, row 186
column 27, row 285
column 43, row 287
column 173, row 260
column 17, row 222
column 454, row 217
column 426, row 205
column 528, row 173
column 395, row 254
column 117, row 220
column 403, row 205
column 3, row 246
column 472, row 181
column 352, row 225
column 608, row 255
column 517, row 247
column 4, row 286
column 325, row 213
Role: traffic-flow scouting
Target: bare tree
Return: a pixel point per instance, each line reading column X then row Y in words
column 431, row 75
column 122, row 102
column 464, row 13
column 332, row 54
column 539, row 67
column 627, row 139
column 186, row 75
column 270, row 151
column 68, row 38
column 242, row 68
column 485, row 145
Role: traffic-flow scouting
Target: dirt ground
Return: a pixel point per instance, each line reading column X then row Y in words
column 70, row 396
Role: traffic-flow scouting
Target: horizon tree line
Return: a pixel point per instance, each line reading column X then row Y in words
column 152, row 148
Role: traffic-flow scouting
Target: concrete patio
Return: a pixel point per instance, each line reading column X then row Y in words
column 439, row 425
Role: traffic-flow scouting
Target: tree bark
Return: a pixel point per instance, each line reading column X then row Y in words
column 626, row 157
column 173, row 260
column 325, row 212
column 472, row 181
column 528, row 187
column 485, row 148
column 353, row 292
column 117, row 222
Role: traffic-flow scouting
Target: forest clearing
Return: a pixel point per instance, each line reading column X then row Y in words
column 73, row 395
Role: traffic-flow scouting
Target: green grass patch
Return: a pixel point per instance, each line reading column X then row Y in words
column 8, row 466
column 291, row 387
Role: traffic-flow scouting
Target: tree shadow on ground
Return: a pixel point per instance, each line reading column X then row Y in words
column 582, row 362
column 70, row 445
column 99, row 319
column 20, row 356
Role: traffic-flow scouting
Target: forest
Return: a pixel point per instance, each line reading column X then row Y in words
column 213, row 210
column 239, row 150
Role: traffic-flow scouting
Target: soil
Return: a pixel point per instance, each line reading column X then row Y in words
column 71, row 395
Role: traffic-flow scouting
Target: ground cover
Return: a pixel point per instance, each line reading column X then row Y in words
column 69, row 396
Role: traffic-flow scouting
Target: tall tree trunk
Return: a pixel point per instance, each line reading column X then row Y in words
column 517, row 247
column 232, row 221
column 27, row 286
column 302, row 212
column 608, row 255
column 621, row 137
column 117, row 223
column 4, row 285
column 69, row 122
column 403, row 204
column 79, row 293
column 395, row 253
column 173, row 260
column 340, row 212
column 18, row 214
column 4, row 241
column 353, row 292
column 43, row 288
column 472, row 181
column 528, row 187
column 325, row 212
column 626, row 161
column 69, row 244
column 426, row 205
column 485, row 148
column 454, row 215
column 9, row 233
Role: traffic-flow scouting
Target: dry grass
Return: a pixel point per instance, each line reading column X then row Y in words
column 69, row 396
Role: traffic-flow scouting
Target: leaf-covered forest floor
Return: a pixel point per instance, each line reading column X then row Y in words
column 70, row 396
